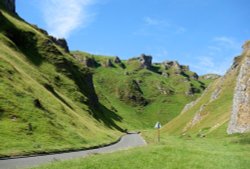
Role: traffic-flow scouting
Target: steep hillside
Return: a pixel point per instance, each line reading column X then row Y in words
column 54, row 100
column 139, row 91
column 47, row 100
column 225, row 99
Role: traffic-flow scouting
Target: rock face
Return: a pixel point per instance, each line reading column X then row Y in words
column 86, row 61
column 117, row 60
column 60, row 42
column 146, row 61
column 240, row 117
column 169, row 64
column 10, row 5
column 210, row 76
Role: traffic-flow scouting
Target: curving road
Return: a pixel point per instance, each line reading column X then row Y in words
column 127, row 141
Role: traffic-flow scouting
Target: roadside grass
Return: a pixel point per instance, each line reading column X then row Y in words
column 173, row 152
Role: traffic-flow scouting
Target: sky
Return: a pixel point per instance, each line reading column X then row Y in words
column 204, row 34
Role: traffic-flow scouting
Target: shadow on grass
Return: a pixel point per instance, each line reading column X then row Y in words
column 1, row 113
column 25, row 41
column 108, row 117
column 51, row 90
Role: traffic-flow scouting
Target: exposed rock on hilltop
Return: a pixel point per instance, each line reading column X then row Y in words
column 117, row 60
column 210, row 76
column 169, row 64
column 10, row 5
column 61, row 42
column 146, row 61
column 225, row 103
column 240, row 117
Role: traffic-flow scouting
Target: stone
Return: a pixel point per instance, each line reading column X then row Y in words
column 108, row 63
column 60, row 42
column 86, row 61
column 246, row 46
column 146, row 61
column 215, row 94
column 210, row 76
column 194, row 76
column 240, row 115
column 117, row 60
column 11, row 5
column 165, row 74
column 169, row 64
column 199, row 115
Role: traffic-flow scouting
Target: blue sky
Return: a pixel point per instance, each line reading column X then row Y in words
column 204, row 34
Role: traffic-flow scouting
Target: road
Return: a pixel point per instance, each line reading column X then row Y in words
column 127, row 141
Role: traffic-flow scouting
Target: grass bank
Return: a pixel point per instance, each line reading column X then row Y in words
column 172, row 153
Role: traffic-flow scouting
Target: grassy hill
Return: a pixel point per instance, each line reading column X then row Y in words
column 54, row 100
column 197, row 138
column 142, row 96
column 185, row 143
column 47, row 100
column 209, row 115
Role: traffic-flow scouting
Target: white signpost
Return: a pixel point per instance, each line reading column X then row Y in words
column 158, row 126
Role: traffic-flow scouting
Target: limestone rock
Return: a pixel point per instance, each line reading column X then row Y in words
column 240, row 116
column 86, row 61
column 169, row 64
column 117, row 60
column 210, row 76
column 246, row 46
column 108, row 63
column 194, row 76
column 60, row 42
column 146, row 61
column 10, row 5
column 165, row 74
column 215, row 94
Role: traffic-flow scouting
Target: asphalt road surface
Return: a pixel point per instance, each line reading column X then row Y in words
column 127, row 141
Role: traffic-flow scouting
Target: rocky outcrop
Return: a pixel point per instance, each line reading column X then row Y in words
column 146, row 61
column 61, row 42
column 86, row 61
column 178, row 69
column 10, row 5
column 108, row 63
column 246, row 46
column 210, row 76
column 199, row 115
column 240, row 117
column 169, row 64
column 215, row 94
column 117, row 60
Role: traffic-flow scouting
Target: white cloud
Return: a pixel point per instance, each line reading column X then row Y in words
column 218, row 57
column 151, row 21
column 206, row 61
column 226, row 42
column 180, row 30
column 162, row 25
column 64, row 16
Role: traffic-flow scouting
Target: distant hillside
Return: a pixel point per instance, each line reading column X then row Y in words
column 224, row 106
column 139, row 91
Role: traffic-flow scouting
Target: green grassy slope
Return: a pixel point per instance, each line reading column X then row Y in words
column 210, row 114
column 141, row 96
column 172, row 153
column 47, row 100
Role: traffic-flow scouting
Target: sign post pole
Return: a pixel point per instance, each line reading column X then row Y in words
column 158, row 127
column 159, row 136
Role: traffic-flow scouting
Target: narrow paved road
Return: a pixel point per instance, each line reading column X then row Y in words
column 127, row 141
